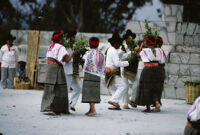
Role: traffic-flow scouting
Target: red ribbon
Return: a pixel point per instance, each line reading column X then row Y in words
column 150, row 42
column 160, row 39
column 55, row 37
column 93, row 43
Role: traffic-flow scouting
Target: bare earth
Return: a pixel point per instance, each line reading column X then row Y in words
column 20, row 115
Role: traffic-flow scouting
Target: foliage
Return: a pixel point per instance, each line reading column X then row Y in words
column 131, row 43
column 132, row 55
column 139, row 41
column 150, row 31
column 67, row 43
column 192, row 83
column 102, row 16
column 81, row 45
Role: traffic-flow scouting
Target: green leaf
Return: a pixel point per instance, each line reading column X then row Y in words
column 192, row 83
column 81, row 45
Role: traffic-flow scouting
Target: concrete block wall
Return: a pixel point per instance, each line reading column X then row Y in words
column 184, row 58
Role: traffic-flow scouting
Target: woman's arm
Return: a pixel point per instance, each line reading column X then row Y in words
column 67, row 58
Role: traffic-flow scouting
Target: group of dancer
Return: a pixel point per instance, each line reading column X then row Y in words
column 119, row 72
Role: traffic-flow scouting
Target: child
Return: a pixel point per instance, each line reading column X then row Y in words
column 22, row 70
column 94, row 68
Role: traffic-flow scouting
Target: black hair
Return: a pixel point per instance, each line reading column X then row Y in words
column 94, row 39
column 57, row 40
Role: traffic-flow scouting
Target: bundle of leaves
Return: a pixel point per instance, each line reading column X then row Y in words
column 150, row 32
column 132, row 55
column 131, row 43
column 67, row 43
column 81, row 45
column 133, row 62
column 139, row 42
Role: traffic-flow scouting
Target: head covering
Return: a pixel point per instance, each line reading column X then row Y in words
column 115, row 39
column 94, row 41
column 57, row 35
column 129, row 33
column 10, row 37
column 71, row 34
column 150, row 41
column 159, row 41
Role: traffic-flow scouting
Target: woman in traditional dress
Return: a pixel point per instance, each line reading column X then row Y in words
column 159, row 42
column 193, row 119
column 94, row 68
column 151, row 79
column 55, row 96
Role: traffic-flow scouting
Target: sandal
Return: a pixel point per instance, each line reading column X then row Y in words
column 147, row 110
column 114, row 104
column 114, row 108
column 133, row 104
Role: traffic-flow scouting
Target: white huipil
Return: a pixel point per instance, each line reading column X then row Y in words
column 118, row 88
column 72, row 81
column 57, row 52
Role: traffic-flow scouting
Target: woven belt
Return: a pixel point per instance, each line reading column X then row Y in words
column 189, row 124
column 151, row 64
column 51, row 62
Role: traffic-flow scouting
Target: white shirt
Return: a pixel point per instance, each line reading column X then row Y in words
column 147, row 55
column 194, row 112
column 8, row 58
column 112, row 59
column 68, row 66
column 57, row 52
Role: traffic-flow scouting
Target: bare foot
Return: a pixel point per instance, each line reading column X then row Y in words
column 87, row 112
column 68, row 113
column 156, row 109
column 51, row 113
column 91, row 114
column 126, row 107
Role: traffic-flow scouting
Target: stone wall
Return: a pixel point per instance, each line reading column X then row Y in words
column 172, row 13
column 184, row 59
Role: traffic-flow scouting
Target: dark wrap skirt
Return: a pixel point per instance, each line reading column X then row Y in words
column 190, row 130
column 91, row 89
column 150, row 86
column 55, row 96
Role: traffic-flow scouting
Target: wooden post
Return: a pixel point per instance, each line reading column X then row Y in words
column 34, row 38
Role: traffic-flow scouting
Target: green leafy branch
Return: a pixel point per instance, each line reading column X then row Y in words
column 150, row 31
column 131, row 43
column 67, row 43
column 81, row 45
column 192, row 83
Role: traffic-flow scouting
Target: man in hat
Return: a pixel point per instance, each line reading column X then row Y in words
column 8, row 59
column 112, row 61
column 73, row 81
column 129, row 73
